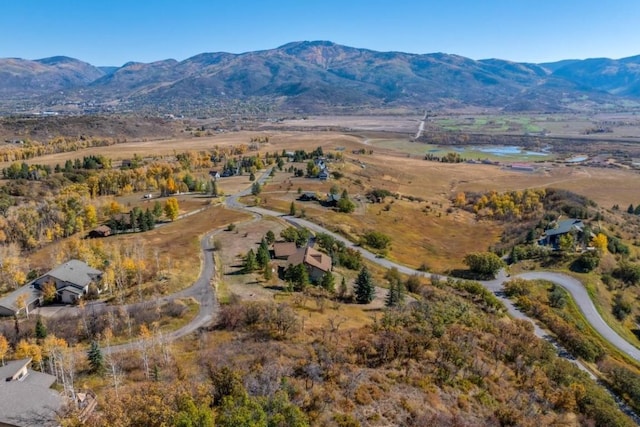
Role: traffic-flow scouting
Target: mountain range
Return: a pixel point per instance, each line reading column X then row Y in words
column 317, row 77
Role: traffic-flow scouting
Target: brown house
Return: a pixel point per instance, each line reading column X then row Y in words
column 100, row 231
column 316, row 262
column 283, row 250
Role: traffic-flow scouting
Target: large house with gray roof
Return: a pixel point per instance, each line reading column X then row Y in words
column 72, row 280
column 26, row 396
column 27, row 298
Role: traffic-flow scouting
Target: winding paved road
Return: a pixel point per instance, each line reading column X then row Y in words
column 573, row 286
column 202, row 290
column 584, row 302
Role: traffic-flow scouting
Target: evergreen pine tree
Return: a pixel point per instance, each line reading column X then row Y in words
column 342, row 292
column 395, row 297
column 328, row 282
column 263, row 256
column 96, row 361
column 267, row 272
column 256, row 188
column 133, row 220
column 364, row 289
column 292, row 209
column 630, row 209
column 297, row 276
column 270, row 237
column 156, row 373
column 637, row 210
column 142, row 221
column 391, row 299
column 41, row 329
column 250, row 261
column 149, row 219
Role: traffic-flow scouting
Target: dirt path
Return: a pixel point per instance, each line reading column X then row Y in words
column 421, row 126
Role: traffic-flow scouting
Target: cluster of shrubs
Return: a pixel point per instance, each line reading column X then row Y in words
column 632, row 210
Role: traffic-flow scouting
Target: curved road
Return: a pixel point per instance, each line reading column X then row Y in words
column 584, row 302
column 573, row 286
column 202, row 290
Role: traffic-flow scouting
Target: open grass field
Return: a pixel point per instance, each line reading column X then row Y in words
column 406, row 122
column 170, row 147
column 426, row 231
column 470, row 152
column 620, row 125
column 423, row 231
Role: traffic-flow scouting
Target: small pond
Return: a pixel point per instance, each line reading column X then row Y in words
column 509, row 150
column 577, row 159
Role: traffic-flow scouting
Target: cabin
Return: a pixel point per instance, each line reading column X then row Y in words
column 523, row 167
column 283, row 250
column 332, row 200
column 100, row 231
column 308, row 196
column 323, row 175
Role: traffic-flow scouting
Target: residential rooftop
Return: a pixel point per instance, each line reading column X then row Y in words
column 565, row 226
column 75, row 272
column 26, row 397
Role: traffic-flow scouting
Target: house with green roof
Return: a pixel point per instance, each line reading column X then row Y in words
column 572, row 226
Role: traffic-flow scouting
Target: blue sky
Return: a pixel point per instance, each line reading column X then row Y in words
column 112, row 32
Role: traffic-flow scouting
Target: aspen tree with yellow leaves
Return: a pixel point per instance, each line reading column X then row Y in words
column 171, row 208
